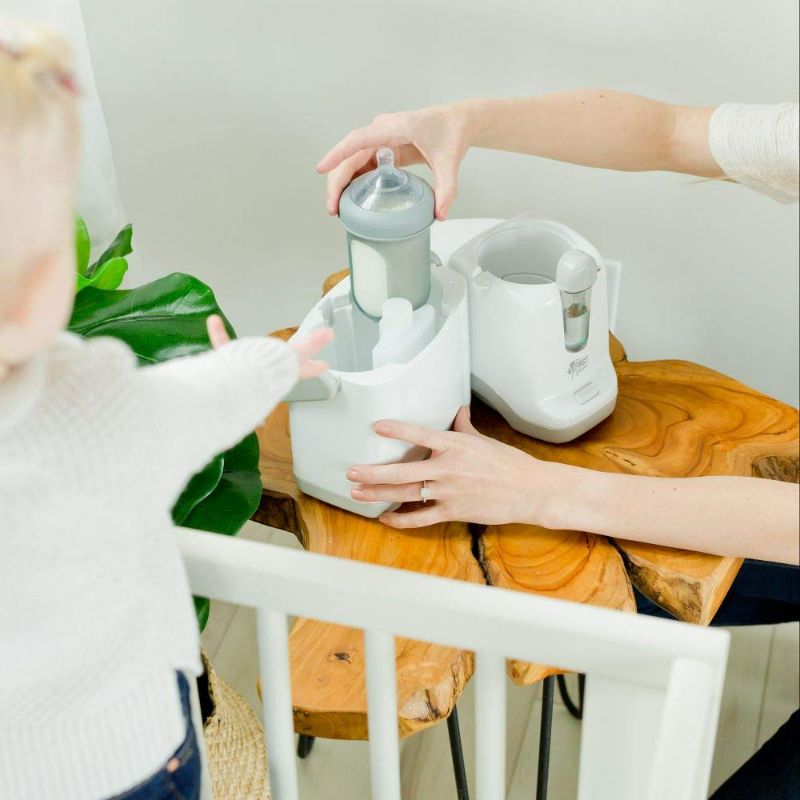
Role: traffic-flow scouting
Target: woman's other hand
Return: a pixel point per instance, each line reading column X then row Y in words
column 471, row 478
column 436, row 136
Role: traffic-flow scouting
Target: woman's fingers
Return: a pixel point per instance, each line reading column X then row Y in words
column 408, row 432
column 363, row 161
column 217, row 333
column 436, row 135
column 463, row 423
column 368, row 138
column 402, row 493
column 445, row 187
column 340, row 177
column 420, row 518
column 406, row 472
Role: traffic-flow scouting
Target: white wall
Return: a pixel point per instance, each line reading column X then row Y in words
column 218, row 112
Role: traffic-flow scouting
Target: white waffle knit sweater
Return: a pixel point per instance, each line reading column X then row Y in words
column 757, row 146
column 95, row 609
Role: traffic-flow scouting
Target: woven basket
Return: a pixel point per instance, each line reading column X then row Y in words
column 237, row 759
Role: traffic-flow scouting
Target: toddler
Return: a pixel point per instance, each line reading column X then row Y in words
column 97, row 627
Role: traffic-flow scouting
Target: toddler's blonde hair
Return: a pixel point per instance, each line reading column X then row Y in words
column 39, row 147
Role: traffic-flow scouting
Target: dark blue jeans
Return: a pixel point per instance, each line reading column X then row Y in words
column 762, row 594
column 179, row 778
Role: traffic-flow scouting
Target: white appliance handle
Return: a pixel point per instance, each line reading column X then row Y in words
column 322, row 387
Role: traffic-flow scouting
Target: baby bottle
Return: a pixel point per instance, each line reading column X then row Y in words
column 388, row 214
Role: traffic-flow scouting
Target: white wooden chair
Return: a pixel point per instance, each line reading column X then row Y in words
column 653, row 686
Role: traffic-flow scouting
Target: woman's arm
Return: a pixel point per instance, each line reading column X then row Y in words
column 474, row 478
column 594, row 127
column 729, row 516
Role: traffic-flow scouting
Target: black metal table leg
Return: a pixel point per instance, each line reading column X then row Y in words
column 457, row 753
column 575, row 710
column 545, row 731
column 304, row 745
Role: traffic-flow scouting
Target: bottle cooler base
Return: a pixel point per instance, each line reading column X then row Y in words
column 548, row 432
column 369, row 510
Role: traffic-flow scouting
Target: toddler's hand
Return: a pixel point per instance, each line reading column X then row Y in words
column 309, row 346
column 217, row 334
column 306, row 348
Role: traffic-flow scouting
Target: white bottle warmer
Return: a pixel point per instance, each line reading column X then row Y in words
column 538, row 309
column 332, row 417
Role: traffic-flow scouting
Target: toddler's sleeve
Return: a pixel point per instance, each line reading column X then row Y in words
column 757, row 146
column 201, row 405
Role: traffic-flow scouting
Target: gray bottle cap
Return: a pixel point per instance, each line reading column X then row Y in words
column 387, row 203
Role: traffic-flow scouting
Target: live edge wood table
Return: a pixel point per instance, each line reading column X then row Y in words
column 672, row 418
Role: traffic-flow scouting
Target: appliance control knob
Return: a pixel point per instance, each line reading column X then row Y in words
column 484, row 280
column 586, row 393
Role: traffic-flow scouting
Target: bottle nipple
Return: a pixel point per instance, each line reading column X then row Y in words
column 388, row 178
column 385, row 159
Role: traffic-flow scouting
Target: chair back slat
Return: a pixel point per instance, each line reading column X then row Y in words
column 653, row 687
column 683, row 734
column 384, row 741
column 490, row 726
column 276, row 688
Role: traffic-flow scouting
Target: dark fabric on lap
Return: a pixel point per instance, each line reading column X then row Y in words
column 773, row 773
column 762, row 594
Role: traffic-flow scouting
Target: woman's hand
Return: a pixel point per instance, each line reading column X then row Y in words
column 436, row 136
column 306, row 348
column 471, row 478
column 595, row 127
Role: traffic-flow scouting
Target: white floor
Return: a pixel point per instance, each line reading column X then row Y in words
column 761, row 692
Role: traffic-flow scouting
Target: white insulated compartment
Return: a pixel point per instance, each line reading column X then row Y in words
column 521, row 363
column 330, row 435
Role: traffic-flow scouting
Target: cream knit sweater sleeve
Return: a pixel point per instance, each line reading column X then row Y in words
column 757, row 146
column 203, row 404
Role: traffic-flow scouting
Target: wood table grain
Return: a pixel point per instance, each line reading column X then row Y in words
column 672, row 418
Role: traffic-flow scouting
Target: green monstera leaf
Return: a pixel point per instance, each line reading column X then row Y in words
column 107, row 276
column 109, row 270
column 158, row 321
column 202, row 607
column 198, row 489
column 82, row 246
column 121, row 246
column 234, row 498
